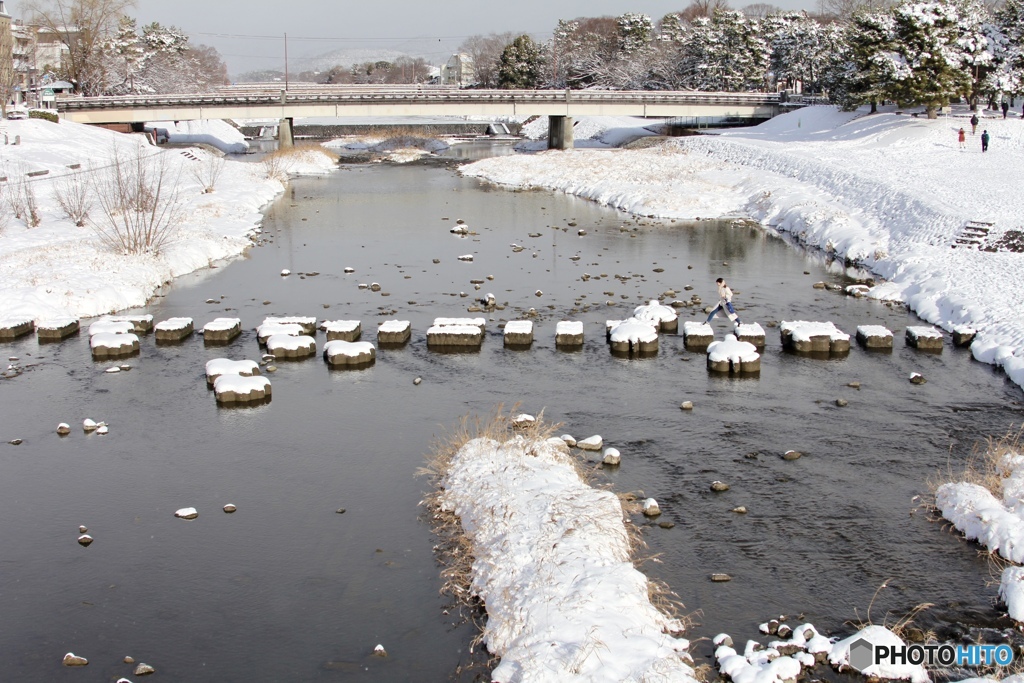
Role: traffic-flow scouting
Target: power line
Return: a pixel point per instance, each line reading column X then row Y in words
column 336, row 40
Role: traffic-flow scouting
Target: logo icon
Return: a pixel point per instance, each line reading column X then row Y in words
column 862, row 654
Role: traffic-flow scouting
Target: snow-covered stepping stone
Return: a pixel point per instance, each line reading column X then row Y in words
column 443, row 322
column 569, row 334
column 341, row 353
column 141, row 324
column 106, row 345
column 814, row 337
column 927, row 338
column 221, row 330
column 342, row 330
column 662, row 317
column 518, row 333
column 733, row 355
column 108, row 326
column 268, row 330
column 308, row 323
column 752, row 333
column 697, row 336
column 454, row 336
column 238, row 389
column 611, row 456
column 963, row 335
column 874, row 336
column 225, row 366
column 56, row 329
column 394, row 332
column 289, row 346
column 591, row 443
column 12, row 328
column 173, row 330
column 634, row 337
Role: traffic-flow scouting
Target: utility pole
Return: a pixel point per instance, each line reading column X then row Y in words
column 286, row 61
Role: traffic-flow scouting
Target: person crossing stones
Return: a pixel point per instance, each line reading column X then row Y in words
column 724, row 304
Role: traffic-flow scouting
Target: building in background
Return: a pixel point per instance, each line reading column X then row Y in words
column 6, row 58
column 458, row 71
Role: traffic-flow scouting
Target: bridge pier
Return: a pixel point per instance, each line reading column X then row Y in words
column 560, row 132
column 284, row 134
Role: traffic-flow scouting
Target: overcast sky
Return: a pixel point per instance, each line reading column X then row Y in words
column 249, row 34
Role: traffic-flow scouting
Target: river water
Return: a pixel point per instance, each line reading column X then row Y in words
column 288, row 589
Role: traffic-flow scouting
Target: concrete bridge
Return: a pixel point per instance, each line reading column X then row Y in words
column 260, row 101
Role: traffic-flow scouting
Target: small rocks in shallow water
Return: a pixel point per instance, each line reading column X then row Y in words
column 784, row 631
column 350, row 270
column 15, row 442
column 113, row 369
column 538, row 293
column 271, row 368
column 792, row 455
column 719, row 486
column 720, row 578
column 129, row 660
column 686, row 405
column 84, row 540
column 285, row 272
column 144, row 669
column 125, row 367
column 186, row 513
column 611, row 456
column 666, row 525
column 741, row 510
column 842, row 402
column 102, row 429
column 71, row 659
column 82, row 529
column 772, row 627
column 63, row 429
column 853, row 385
column 379, row 651
column 651, row 508
column 568, row 439
column 417, row 381
column 340, row 511
column 917, row 378
column 90, row 425
column 229, row 508
column 591, row 443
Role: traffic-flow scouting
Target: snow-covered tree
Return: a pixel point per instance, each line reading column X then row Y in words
column 1008, row 74
column 520, row 64
column 635, row 32
column 159, row 59
column 726, row 52
column 801, row 48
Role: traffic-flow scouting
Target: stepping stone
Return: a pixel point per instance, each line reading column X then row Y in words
column 107, row 326
column 342, row 330
column 225, row 366
column 341, row 353
column 173, row 330
column 221, row 330
column 308, row 323
column 57, row 329
column 634, row 337
column 479, row 322
column 963, row 335
column 268, row 330
column 293, row 347
column 814, row 337
column 733, row 356
column 697, row 336
column 752, row 333
column 238, row 389
column 394, row 332
column 518, row 333
column 106, row 345
column 662, row 317
column 925, row 338
column 874, row 336
column 569, row 334
column 142, row 324
column 454, row 336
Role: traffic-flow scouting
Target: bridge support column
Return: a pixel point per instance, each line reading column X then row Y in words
column 560, row 132
column 284, row 134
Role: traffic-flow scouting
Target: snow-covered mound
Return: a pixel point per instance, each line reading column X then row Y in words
column 590, row 131
column 564, row 602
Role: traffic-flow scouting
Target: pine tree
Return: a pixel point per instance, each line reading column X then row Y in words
column 520, row 64
column 635, row 32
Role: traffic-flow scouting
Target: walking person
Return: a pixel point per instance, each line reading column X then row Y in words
column 1006, row 108
column 984, row 141
column 962, row 138
column 974, row 124
column 724, row 304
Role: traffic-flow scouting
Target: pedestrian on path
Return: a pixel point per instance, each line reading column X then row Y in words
column 1006, row 108
column 962, row 138
column 974, row 124
column 984, row 141
column 724, row 304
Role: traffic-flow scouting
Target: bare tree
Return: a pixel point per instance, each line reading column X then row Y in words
column 843, row 10
column 485, row 51
column 760, row 10
column 82, row 26
column 73, row 192
column 207, row 171
column 21, row 197
column 703, row 8
column 139, row 209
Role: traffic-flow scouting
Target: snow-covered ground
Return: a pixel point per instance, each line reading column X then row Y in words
column 886, row 190
column 58, row 269
column 591, row 131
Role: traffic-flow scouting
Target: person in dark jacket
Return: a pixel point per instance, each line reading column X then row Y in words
column 984, row 141
column 974, row 124
column 1006, row 108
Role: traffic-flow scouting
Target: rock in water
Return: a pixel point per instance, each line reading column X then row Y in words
column 719, row 486
column 85, row 540
column 144, row 669
column 71, row 659
column 186, row 513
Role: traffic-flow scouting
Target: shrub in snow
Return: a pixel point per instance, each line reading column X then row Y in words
column 73, row 192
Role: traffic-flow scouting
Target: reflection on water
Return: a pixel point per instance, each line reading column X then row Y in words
column 287, row 588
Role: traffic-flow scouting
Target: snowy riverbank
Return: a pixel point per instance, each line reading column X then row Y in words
column 58, row 269
column 886, row 190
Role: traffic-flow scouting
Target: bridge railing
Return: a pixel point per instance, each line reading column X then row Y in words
column 418, row 94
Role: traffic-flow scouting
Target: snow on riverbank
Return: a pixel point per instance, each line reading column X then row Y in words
column 887, row 190
column 553, row 567
column 58, row 269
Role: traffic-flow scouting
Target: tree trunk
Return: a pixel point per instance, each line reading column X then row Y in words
column 874, row 107
column 933, row 111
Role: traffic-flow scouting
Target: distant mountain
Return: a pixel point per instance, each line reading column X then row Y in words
column 346, row 56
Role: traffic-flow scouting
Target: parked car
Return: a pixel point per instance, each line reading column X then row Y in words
column 17, row 113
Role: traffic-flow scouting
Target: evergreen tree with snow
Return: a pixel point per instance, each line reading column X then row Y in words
column 725, row 52
column 635, row 32
column 520, row 64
